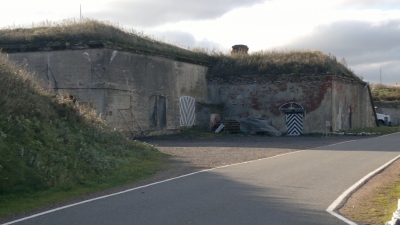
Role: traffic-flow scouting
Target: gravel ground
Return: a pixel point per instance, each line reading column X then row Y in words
column 195, row 154
column 192, row 155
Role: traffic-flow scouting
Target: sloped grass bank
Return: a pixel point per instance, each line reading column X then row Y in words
column 276, row 63
column 51, row 149
column 89, row 33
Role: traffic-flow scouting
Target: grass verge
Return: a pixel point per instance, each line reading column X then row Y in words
column 52, row 150
column 381, row 130
column 375, row 202
column 385, row 202
column 15, row 203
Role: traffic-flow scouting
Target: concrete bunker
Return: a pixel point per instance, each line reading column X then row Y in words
column 134, row 92
column 306, row 101
column 144, row 85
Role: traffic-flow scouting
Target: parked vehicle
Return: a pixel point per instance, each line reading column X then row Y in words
column 383, row 119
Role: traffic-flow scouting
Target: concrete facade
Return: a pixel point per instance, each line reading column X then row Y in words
column 342, row 102
column 141, row 92
column 127, row 89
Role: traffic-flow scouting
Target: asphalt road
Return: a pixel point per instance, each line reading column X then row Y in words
column 295, row 188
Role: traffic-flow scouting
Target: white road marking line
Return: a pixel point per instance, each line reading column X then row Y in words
column 331, row 209
column 132, row 189
column 202, row 171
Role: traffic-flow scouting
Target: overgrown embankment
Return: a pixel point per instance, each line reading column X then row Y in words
column 51, row 149
column 71, row 34
column 381, row 92
column 276, row 63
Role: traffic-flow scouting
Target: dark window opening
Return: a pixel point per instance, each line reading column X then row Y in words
column 158, row 111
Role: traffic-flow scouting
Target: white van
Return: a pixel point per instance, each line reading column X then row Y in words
column 383, row 119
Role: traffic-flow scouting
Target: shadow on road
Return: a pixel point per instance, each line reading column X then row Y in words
column 205, row 198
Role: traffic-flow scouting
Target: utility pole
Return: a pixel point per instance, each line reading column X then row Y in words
column 380, row 75
column 80, row 13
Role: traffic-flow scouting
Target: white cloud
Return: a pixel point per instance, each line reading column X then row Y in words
column 367, row 47
column 365, row 32
column 362, row 4
column 183, row 39
column 145, row 13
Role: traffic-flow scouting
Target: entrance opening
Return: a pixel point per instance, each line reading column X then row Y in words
column 294, row 113
column 158, row 111
column 187, row 110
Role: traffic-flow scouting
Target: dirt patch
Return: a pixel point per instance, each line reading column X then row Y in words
column 359, row 206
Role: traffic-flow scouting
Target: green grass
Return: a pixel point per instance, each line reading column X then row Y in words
column 381, row 130
column 51, row 149
column 385, row 203
column 380, row 207
column 130, row 173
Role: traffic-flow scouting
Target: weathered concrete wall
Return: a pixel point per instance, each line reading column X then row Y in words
column 344, row 103
column 390, row 108
column 351, row 105
column 112, row 81
column 131, row 90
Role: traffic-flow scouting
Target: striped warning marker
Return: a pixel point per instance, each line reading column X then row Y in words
column 294, row 123
column 187, row 110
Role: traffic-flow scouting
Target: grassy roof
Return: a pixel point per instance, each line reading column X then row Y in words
column 71, row 34
column 266, row 63
column 52, row 149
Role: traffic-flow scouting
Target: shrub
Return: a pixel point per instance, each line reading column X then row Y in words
column 381, row 92
column 276, row 63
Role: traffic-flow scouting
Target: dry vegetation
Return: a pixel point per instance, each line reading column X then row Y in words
column 277, row 63
column 51, row 149
column 70, row 34
column 382, row 92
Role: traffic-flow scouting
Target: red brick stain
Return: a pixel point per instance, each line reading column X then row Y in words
column 255, row 104
column 313, row 94
column 314, row 91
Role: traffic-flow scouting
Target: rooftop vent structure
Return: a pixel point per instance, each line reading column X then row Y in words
column 240, row 49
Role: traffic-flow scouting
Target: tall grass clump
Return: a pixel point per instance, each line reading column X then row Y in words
column 48, row 146
column 381, row 92
column 276, row 63
column 92, row 33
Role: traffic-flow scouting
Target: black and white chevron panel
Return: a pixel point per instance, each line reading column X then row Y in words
column 294, row 123
column 187, row 110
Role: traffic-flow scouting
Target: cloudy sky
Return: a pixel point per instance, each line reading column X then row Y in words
column 364, row 32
